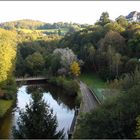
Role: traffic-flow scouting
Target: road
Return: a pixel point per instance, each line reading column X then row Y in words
column 89, row 101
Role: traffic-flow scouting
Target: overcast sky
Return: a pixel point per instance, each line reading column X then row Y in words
column 66, row 11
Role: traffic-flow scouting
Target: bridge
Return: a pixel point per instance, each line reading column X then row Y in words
column 26, row 79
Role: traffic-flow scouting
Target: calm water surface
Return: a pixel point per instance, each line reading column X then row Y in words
column 62, row 105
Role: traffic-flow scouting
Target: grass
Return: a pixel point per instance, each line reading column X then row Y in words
column 4, row 106
column 63, row 30
column 96, row 84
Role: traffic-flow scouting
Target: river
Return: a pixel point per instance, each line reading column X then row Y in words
column 62, row 105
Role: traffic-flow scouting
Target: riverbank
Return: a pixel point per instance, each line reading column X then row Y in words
column 5, row 105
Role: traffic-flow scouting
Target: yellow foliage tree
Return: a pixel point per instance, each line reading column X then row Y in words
column 7, row 53
column 75, row 68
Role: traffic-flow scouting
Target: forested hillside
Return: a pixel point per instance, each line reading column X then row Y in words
column 23, row 24
column 27, row 25
column 109, row 48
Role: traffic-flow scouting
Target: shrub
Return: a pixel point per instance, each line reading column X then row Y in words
column 10, row 89
column 70, row 86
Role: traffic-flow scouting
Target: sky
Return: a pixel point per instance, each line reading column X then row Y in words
column 67, row 11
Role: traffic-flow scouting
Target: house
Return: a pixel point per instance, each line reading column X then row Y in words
column 133, row 16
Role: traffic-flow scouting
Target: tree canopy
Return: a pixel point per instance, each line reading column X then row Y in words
column 7, row 54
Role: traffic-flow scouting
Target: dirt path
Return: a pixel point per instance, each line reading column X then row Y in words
column 89, row 101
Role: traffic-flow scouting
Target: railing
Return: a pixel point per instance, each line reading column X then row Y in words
column 93, row 93
column 30, row 78
column 77, row 114
column 73, row 124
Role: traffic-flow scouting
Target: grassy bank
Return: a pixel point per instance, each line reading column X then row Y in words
column 95, row 83
column 5, row 105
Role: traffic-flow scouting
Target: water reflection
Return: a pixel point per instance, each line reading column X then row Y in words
column 62, row 105
column 58, row 94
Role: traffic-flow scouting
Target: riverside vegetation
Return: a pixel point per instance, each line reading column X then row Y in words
column 109, row 51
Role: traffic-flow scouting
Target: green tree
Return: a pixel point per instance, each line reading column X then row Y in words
column 115, row 119
column 35, row 63
column 59, row 32
column 134, row 45
column 114, row 26
column 131, row 65
column 122, row 21
column 138, row 127
column 104, row 19
column 37, row 121
column 116, row 64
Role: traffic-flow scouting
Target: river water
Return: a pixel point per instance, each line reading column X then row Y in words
column 62, row 105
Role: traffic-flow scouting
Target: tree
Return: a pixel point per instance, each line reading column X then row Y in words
column 55, row 63
column 90, row 52
column 115, row 119
column 134, row 45
column 75, row 68
column 131, row 65
column 35, row 63
column 138, row 127
column 67, row 57
column 104, row 19
column 37, row 121
column 122, row 21
column 115, row 40
column 114, row 26
column 73, row 29
column 116, row 63
column 7, row 54
column 59, row 32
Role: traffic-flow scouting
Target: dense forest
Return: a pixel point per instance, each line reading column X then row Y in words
column 109, row 49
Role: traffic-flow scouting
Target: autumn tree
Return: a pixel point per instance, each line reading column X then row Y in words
column 7, row 53
column 75, row 68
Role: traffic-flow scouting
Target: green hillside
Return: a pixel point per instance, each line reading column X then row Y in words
column 29, row 26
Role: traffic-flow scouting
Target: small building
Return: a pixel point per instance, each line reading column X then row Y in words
column 133, row 16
